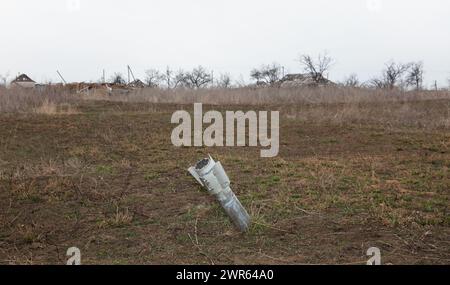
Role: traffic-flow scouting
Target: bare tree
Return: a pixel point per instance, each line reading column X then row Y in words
column 267, row 74
column 393, row 74
column 199, row 77
column 168, row 77
column 352, row 81
column 118, row 78
column 257, row 75
column 153, row 78
column 4, row 78
column 376, row 83
column 224, row 81
column 415, row 75
column 273, row 73
column 179, row 79
column 316, row 68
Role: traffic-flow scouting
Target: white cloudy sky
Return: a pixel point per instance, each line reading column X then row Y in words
column 39, row 37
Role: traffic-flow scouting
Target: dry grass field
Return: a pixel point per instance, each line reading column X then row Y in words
column 357, row 169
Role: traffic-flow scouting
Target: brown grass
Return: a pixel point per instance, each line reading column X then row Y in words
column 277, row 96
column 49, row 101
column 110, row 182
column 48, row 107
column 321, row 105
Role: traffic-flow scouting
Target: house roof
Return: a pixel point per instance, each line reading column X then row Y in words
column 137, row 83
column 295, row 80
column 23, row 78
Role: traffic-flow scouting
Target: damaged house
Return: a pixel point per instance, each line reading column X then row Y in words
column 304, row 80
column 137, row 83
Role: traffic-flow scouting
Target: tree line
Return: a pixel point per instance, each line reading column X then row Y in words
column 394, row 75
column 198, row 77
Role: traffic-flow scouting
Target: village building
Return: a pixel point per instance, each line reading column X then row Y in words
column 136, row 84
column 304, row 80
column 23, row 81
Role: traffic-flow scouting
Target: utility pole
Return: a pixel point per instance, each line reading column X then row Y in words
column 435, row 85
column 128, row 70
column 61, row 77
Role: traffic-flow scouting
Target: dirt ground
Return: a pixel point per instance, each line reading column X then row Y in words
column 107, row 180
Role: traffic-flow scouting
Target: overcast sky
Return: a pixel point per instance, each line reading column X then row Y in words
column 81, row 38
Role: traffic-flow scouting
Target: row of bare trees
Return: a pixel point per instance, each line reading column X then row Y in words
column 196, row 78
column 267, row 74
column 400, row 75
column 316, row 68
column 394, row 75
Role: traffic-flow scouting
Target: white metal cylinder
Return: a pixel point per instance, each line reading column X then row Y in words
column 214, row 178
